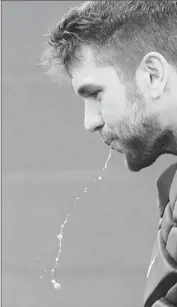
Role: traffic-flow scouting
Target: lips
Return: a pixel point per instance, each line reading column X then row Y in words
column 112, row 142
column 108, row 142
column 115, row 146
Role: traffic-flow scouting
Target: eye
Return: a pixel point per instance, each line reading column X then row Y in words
column 95, row 94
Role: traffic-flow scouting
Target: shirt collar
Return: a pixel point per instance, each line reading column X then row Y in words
column 163, row 186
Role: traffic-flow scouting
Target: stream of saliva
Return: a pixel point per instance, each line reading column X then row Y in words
column 57, row 285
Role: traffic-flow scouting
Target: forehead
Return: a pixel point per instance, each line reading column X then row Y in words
column 88, row 71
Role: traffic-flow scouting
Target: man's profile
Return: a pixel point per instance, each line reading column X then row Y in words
column 121, row 58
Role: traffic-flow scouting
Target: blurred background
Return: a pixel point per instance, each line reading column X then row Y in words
column 47, row 161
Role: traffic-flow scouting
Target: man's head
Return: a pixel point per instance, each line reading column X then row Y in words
column 121, row 57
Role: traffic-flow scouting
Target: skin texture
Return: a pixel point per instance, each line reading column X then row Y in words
column 137, row 119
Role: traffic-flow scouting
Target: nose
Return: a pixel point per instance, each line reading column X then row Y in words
column 93, row 118
column 93, row 124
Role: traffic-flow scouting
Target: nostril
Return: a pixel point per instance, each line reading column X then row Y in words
column 93, row 124
column 98, row 128
column 93, row 128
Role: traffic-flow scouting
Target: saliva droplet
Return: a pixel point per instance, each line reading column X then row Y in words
column 59, row 237
column 56, row 285
column 106, row 164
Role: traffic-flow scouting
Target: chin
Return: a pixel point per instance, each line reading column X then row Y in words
column 137, row 163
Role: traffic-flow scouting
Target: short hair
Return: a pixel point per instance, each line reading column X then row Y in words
column 120, row 33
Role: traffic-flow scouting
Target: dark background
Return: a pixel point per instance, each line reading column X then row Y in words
column 47, row 161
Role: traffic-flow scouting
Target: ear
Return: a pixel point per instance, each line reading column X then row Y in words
column 152, row 74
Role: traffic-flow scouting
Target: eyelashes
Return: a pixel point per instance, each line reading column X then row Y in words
column 94, row 94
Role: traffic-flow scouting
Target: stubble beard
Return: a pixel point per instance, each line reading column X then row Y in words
column 143, row 138
column 144, row 144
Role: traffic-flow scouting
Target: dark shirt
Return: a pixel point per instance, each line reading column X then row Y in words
column 161, row 287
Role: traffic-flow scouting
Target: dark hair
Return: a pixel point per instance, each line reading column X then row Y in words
column 119, row 32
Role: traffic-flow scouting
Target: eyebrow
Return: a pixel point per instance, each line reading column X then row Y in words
column 87, row 90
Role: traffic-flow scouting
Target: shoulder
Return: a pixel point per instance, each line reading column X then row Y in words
column 162, row 274
column 167, row 174
column 164, row 184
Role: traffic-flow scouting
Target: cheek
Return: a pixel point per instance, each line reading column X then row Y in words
column 114, row 106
